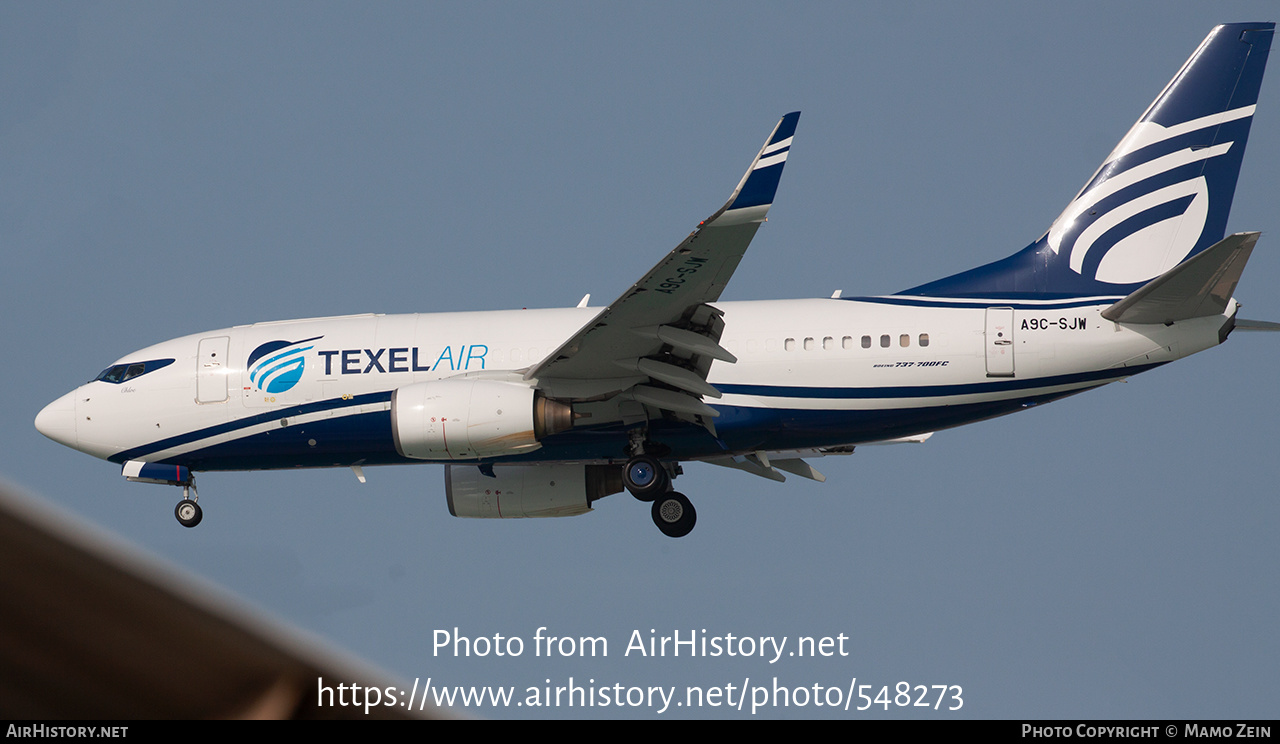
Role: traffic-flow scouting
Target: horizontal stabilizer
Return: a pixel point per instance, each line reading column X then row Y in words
column 1198, row 287
column 1256, row 325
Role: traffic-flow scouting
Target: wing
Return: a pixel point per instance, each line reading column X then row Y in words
column 657, row 341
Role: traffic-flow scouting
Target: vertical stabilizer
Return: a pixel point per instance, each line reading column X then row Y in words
column 1161, row 196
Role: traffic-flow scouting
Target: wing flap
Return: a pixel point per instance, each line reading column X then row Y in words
column 759, row 464
column 670, row 400
column 689, row 342
column 801, row 468
column 748, row 465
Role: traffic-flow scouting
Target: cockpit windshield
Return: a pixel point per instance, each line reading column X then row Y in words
column 124, row 372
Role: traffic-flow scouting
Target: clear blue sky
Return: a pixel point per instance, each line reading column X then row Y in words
column 170, row 168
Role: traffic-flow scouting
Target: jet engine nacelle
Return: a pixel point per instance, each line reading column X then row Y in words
column 516, row 491
column 467, row 418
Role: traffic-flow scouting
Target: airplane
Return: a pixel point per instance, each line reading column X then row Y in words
column 541, row 413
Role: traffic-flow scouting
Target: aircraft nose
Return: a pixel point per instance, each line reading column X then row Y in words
column 58, row 420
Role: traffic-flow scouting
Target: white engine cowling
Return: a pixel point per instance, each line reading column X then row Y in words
column 528, row 490
column 464, row 419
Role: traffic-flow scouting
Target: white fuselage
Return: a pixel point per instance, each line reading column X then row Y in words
column 810, row 374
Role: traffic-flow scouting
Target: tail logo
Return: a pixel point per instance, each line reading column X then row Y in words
column 276, row 366
column 1146, row 208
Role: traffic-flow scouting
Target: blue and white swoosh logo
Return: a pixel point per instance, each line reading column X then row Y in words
column 1147, row 207
column 276, row 366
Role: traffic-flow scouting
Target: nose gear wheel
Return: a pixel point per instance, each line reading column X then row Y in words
column 188, row 513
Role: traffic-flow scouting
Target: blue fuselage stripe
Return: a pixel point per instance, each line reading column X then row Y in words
column 263, row 418
column 933, row 391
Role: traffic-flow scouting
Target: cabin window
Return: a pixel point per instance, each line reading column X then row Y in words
column 847, row 343
column 904, row 340
column 828, row 343
column 789, row 344
column 924, row 339
column 866, row 342
column 808, row 344
column 885, row 341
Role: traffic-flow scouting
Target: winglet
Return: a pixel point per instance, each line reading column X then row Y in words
column 752, row 198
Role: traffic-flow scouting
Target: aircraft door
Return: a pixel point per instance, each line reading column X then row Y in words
column 999, row 341
column 211, row 370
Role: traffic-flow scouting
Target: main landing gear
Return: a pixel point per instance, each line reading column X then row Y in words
column 645, row 477
column 673, row 514
column 647, row 480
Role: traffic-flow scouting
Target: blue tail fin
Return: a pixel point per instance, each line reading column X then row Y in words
column 1161, row 196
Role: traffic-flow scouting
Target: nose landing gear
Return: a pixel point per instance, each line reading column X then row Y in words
column 188, row 511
